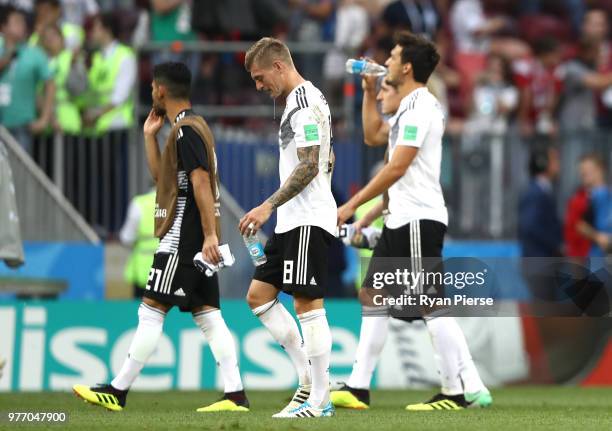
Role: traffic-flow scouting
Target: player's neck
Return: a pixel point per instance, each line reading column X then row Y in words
column 173, row 108
column 408, row 86
column 294, row 79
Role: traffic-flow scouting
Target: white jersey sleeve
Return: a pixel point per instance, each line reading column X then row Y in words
column 413, row 127
column 307, row 127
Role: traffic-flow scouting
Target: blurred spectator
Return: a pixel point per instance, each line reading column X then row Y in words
column 112, row 77
column 23, row 69
column 540, row 85
column 138, row 234
column 472, row 29
column 472, row 34
column 311, row 21
column 576, row 244
column 171, row 22
column 539, row 227
column 352, row 27
column 595, row 27
column 27, row 6
column 418, row 16
column 597, row 227
column 108, row 117
column 580, row 82
column 579, row 211
column 78, row 11
column 494, row 100
column 443, row 79
column 573, row 9
column 70, row 81
column 49, row 12
column 578, row 109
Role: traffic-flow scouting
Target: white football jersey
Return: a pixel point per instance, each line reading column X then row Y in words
column 417, row 195
column 306, row 121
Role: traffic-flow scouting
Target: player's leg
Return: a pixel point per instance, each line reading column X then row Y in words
column 318, row 344
column 305, row 276
column 262, row 298
column 451, row 351
column 221, row 342
column 355, row 393
column 198, row 294
column 151, row 315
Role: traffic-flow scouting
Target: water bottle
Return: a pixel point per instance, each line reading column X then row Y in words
column 358, row 67
column 255, row 248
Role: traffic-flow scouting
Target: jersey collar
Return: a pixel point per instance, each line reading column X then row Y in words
column 182, row 115
column 292, row 92
column 404, row 104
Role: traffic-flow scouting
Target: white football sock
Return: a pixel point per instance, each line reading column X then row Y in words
column 372, row 336
column 150, row 325
column 447, row 339
column 467, row 370
column 283, row 328
column 222, row 345
column 318, row 345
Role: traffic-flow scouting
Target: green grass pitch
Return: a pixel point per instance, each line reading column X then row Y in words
column 518, row 408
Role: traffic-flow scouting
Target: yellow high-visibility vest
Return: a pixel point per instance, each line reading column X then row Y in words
column 103, row 77
column 140, row 261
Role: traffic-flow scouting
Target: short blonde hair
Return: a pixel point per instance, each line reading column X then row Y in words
column 265, row 51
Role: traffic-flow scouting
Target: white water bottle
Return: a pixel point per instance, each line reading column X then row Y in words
column 255, row 248
column 364, row 67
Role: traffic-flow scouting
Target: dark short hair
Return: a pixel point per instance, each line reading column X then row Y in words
column 419, row 52
column 110, row 22
column 539, row 158
column 175, row 76
column 6, row 12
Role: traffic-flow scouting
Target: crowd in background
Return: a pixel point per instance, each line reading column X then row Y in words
column 546, row 64
column 540, row 70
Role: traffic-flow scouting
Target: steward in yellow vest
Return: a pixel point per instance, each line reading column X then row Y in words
column 112, row 76
column 67, row 117
column 49, row 13
column 138, row 231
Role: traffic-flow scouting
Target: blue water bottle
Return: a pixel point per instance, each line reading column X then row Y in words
column 364, row 67
column 255, row 248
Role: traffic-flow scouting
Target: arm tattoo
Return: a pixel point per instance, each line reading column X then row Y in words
column 302, row 175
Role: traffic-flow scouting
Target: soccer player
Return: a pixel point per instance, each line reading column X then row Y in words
column 414, row 226
column 306, row 222
column 187, row 171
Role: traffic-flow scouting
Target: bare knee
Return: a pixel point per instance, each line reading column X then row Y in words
column 260, row 293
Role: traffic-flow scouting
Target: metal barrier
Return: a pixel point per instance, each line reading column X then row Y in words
column 482, row 178
column 45, row 213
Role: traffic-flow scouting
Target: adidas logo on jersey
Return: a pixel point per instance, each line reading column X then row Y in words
column 313, row 282
column 179, row 292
